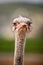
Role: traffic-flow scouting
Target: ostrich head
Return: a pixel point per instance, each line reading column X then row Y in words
column 21, row 25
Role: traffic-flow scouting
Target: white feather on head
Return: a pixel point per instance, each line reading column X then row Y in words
column 21, row 19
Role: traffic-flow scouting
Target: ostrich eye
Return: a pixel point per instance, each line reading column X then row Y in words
column 29, row 23
column 14, row 23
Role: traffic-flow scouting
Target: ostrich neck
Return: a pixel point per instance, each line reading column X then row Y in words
column 19, row 49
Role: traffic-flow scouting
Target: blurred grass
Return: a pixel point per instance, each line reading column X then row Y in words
column 34, row 45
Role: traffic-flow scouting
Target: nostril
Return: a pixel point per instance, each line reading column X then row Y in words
column 24, row 25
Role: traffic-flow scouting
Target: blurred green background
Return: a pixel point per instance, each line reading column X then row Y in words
column 34, row 42
column 32, row 45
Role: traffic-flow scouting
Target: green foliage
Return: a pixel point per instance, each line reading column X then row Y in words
column 6, row 45
column 34, row 45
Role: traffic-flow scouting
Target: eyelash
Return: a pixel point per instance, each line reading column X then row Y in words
column 16, row 23
column 29, row 24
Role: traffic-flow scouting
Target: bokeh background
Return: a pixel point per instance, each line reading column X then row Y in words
column 33, row 9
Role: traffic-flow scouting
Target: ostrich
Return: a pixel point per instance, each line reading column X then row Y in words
column 21, row 26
